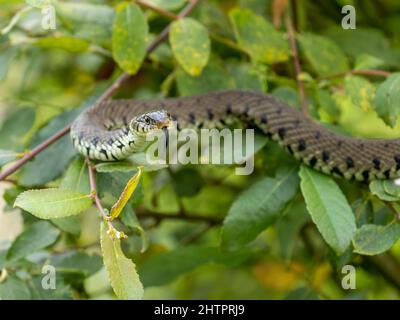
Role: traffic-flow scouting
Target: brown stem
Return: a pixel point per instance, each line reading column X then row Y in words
column 145, row 213
column 107, row 94
column 396, row 214
column 29, row 155
column 94, row 191
column 296, row 62
column 159, row 10
column 295, row 14
column 388, row 266
column 366, row 72
column 195, row 235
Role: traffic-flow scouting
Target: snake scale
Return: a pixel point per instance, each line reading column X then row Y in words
column 113, row 130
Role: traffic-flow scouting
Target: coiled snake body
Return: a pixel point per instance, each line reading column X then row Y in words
column 113, row 130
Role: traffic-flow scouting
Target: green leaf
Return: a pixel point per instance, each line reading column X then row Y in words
column 92, row 22
column 70, row 44
column 15, row 128
column 85, row 12
column 187, row 182
column 288, row 95
column 361, row 91
column 165, row 267
column 325, row 56
column 363, row 41
column 61, row 292
column 9, row 196
column 6, row 57
column 129, row 38
column 326, row 102
column 50, row 163
column 34, row 238
column 77, row 177
column 328, row 208
column 190, row 44
column 373, row 239
column 391, row 187
column 258, row 207
column 38, row 3
column 14, row 289
column 367, row 61
column 377, row 187
column 68, row 224
column 115, row 182
column 122, row 166
column 387, row 99
column 214, row 77
column 121, row 270
column 129, row 219
column 53, row 203
column 77, row 262
column 248, row 76
column 258, row 37
column 7, row 156
column 288, row 227
column 167, row 4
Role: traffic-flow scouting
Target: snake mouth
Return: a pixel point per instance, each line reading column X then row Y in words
column 165, row 124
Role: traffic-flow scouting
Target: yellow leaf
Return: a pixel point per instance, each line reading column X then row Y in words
column 321, row 274
column 278, row 276
column 125, row 195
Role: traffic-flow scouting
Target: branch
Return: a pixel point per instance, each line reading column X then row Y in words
column 190, row 238
column 366, row 72
column 296, row 62
column 29, row 155
column 106, row 95
column 158, row 10
column 388, row 266
column 396, row 214
column 145, row 213
column 94, row 191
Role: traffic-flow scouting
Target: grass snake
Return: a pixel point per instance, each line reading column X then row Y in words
column 113, row 130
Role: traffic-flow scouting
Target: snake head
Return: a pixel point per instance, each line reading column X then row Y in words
column 153, row 120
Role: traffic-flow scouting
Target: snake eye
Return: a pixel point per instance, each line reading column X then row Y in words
column 147, row 120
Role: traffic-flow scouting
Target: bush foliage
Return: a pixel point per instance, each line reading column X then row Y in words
column 285, row 231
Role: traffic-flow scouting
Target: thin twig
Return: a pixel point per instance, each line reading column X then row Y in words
column 396, row 213
column 295, row 14
column 227, row 42
column 94, row 191
column 296, row 62
column 190, row 238
column 145, row 213
column 29, row 155
column 106, row 95
column 112, row 232
column 158, row 10
column 365, row 72
column 388, row 266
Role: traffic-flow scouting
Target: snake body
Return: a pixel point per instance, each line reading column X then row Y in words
column 102, row 132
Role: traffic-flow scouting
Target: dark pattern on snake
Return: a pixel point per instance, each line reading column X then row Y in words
column 316, row 146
